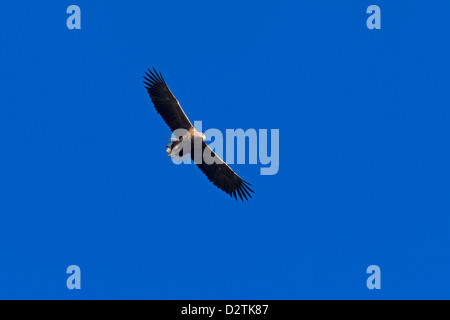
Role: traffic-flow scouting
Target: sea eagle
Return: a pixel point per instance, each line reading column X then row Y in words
column 218, row 172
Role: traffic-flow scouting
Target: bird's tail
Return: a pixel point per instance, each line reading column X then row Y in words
column 170, row 146
column 169, row 149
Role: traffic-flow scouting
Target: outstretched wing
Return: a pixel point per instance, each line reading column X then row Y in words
column 221, row 175
column 165, row 102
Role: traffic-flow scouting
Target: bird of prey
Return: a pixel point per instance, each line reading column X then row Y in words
column 215, row 169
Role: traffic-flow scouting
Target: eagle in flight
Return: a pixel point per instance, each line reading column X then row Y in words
column 215, row 169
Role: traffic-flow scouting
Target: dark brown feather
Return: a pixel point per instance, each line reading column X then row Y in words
column 165, row 102
column 223, row 177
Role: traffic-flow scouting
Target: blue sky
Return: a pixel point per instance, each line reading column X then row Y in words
column 364, row 150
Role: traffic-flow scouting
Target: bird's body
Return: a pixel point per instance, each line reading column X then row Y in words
column 186, row 141
column 190, row 141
